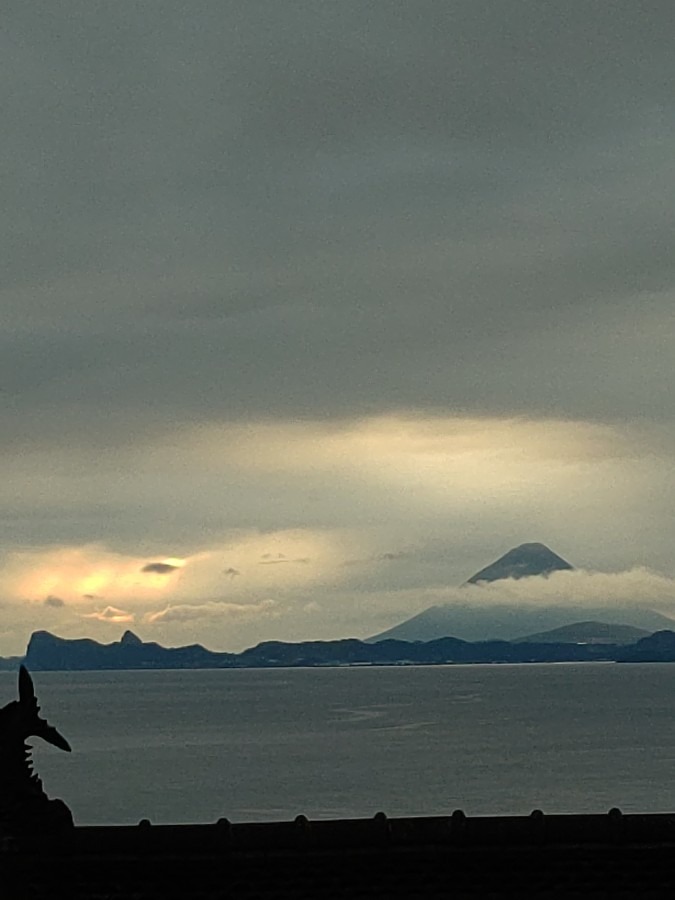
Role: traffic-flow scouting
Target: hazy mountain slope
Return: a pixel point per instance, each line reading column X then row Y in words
column 659, row 647
column 589, row 633
column 480, row 623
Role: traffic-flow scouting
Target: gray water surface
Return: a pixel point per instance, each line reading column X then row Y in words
column 261, row 744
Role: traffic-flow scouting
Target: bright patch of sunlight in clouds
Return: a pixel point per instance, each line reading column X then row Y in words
column 241, row 566
column 391, row 497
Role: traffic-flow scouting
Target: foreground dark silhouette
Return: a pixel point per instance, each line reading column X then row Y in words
column 24, row 806
column 454, row 856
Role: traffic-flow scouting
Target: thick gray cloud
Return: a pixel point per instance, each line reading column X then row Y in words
column 309, row 208
column 220, row 212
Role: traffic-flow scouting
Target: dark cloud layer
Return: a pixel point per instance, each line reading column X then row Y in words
column 312, row 209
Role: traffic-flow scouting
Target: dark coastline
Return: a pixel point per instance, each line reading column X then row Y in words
column 47, row 652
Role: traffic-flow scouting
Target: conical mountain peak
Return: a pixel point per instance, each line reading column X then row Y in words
column 523, row 561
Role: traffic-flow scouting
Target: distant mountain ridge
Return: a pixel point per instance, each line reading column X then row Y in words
column 658, row 647
column 47, row 652
column 510, row 622
column 589, row 633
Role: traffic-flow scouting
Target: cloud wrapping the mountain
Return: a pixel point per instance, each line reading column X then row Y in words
column 636, row 587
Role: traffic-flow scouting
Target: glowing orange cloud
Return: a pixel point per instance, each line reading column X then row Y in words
column 79, row 573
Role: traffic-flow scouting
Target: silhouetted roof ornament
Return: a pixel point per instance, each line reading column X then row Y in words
column 24, row 806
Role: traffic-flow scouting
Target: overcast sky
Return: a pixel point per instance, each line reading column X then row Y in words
column 309, row 310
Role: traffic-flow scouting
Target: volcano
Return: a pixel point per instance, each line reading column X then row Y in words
column 472, row 620
column 523, row 561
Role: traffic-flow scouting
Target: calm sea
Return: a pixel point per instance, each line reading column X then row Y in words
column 269, row 744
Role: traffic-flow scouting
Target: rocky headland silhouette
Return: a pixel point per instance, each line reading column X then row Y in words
column 47, row 652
